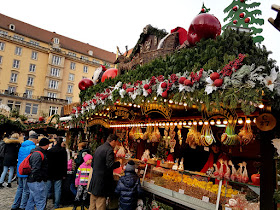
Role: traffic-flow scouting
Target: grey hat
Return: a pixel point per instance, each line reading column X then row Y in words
column 33, row 136
column 130, row 166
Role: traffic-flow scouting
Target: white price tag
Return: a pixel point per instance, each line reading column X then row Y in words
column 181, row 191
column 152, row 182
column 142, row 172
column 227, row 208
column 205, row 199
column 206, row 149
column 136, row 170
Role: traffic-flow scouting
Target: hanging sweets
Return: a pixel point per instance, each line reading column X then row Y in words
column 121, row 152
column 155, row 136
column 207, row 137
column 179, row 133
column 138, row 133
column 245, row 134
column 229, row 137
column 172, row 142
column 233, row 176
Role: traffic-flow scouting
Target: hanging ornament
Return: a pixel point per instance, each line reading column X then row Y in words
column 247, row 20
column 203, row 10
column 164, row 94
column 166, row 137
column 218, row 82
column 241, row 15
column 214, row 76
column 234, row 22
column 164, row 85
column 235, row 8
column 179, row 134
column 172, row 134
column 188, row 82
column 182, row 79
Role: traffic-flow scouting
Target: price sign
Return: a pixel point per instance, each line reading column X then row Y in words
column 142, row 172
column 205, row 199
column 266, row 122
column 181, row 191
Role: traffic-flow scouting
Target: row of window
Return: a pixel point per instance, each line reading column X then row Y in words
column 29, row 107
column 18, row 51
column 20, row 38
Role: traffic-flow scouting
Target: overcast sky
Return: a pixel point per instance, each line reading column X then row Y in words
column 110, row 23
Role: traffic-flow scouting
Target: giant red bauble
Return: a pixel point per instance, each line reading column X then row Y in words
column 234, row 8
column 164, row 94
column 247, row 20
column 241, row 15
column 214, row 76
column 218, row 82
column 193, row 38
column 163, row 85
column 188, row 82
column 205, row 26
column 182, row 79
column 85, row 83
column 109, row 73
column 149, row 91
column 255, row 179
column 146, row 86
column 234, row 22
column 41, row 119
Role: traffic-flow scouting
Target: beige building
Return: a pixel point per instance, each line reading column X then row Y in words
column 40, row 67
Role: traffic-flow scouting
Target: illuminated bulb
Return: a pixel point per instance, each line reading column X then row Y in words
column 185, row 123
column 248, row 120
column 185, row 104
column 134, row 105
column 212, row 122
column 167, row 123
column 170, row 101
column 261, row 106
column 194, row 122
column 218, row 122
column 165, row 100
column 96, row 113
column 107, row 109
column 240, row 121
column 190, row 123
column 159, row 124
column 200, row 122
column 138, row 106
column 225, row 122
column 176, row 102
column 139, row 125
column 156, row 124
column 206, row 123
column 254, row 120
column 142, row 125
column 100, row 114
column 171, row 124
column 118, row 102
column 130, row 104
column 175, row 123
column 163, row 124
column 116, row 116
column 180, row 123
column 155, row 98
column 152, row 124
column 142, row 100
column 180, row 103
column 125, row 104
column 104, row 115
column 148, row 101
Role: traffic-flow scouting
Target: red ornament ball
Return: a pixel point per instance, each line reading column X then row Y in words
column 85, row 83
column 241, row 15
column 128, row 90
column 163, row 85
column 234, row 22
column 235, row 8
column 41, row 119
column 247, row 20
column 182, row 79
column 109, row 73
column 188, row 82
column 214, row 76
column 218, row 82
column 149, row 91
column 242, row 1
column 146, row 86
column 164, row 94
column 203, row 10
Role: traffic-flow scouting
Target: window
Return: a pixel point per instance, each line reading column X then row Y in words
column 18, row 37
column 16, row 64
column 17, row 105
column 72, row 54
column 96, row 61
column 18, row 50
column 56, row 40
column 34, row 42
column 51, row 95
column 1, row 59
column 53, row 84
column 2, row 46
column 53, row 110
column 34, row 55
column 56, row 60
column 13, row 77
column 35, row 108
column 71, row 77
column 32, row 68
column 12, row 27
column 84, row 58
column 90, row 52
column 28, row 108
column 10, row 104
column 12, row 89
column 70, row 89
column 3, row 33
column 72, row 66
column 55, row 72
column 30, row 81
column 83, row 77
column 85, row 69
column 69, row 99
column 28, row 93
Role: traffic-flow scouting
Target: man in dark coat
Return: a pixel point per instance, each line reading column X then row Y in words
column 37, row 179
column 102, row 182
column 57, row 170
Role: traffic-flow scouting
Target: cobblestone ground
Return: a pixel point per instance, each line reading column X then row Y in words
column 7, row 196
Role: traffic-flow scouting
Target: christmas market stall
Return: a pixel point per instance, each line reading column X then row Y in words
column 197, row 112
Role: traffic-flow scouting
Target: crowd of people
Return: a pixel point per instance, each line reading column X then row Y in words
column 88, row 177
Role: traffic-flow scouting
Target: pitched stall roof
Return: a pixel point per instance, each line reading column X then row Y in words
column 42, row 35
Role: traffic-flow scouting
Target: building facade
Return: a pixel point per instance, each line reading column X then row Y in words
column 43, row 68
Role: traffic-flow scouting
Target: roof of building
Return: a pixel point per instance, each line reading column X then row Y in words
column 42, row 35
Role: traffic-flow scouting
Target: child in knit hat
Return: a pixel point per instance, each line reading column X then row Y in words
column 129, row 188
column 81, row 181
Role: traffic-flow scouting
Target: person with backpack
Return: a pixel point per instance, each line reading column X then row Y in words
column 129, row 188
column 12, row 146
column 22, row 193
column 37, row 178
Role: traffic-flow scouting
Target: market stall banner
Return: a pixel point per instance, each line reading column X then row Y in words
column 229, row 114
column 121, row 112
column 99, row 122
column 163, row 109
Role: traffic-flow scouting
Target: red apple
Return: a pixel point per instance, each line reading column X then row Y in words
column 234, row 22
column 164, row 94
column 163, row 85
column 85, row 83
column 110, row 73
column 182, row 79
column 205, row 26
column 255, row 179
column 41, row 119
column 218, row 82
column 247, row 20
column 146, row 86
column 214, row 76
column 188, row 82
column 241, row 15
column 235, row 8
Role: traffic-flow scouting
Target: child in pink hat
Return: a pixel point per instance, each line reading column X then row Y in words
column 81, row 181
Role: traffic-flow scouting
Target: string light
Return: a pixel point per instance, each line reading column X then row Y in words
column 171, row 101
column 159, row 124
column 206, row 123
column 155, row 98
column 190, row 123
column 167, row 124
column 212, row 122
column 200, row 122
column 248, row 120
column 195, row 122
column 255, row 120
column 180, row 123
column 240, row 121
column 171, row 124
column 185, row 104
column 261, row 106
column 138, row 106
column 225, row 122
column 134, row 105
column 184, row 123
column 218, row 122
column 175, row 123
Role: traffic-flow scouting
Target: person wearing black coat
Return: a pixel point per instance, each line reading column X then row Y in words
column 12, row 146
column 102, row 182
column 129, row 188
column 57, row 170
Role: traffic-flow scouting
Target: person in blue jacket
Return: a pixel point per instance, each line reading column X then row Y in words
column 129, row 188
column 22, row 194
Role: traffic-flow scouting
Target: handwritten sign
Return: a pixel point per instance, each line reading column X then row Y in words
column 266, row 122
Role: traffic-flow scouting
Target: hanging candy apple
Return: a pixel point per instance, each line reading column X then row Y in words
column 110, row 73
column 234, row 22
column 182, row 79
column 188, row 82
column 247, row 20
column 256, row 179
column 214, row 76
column 235, row 8
column 218, row 82
column 85, row 83
column 241, row 15
column 204, row 26
column 41, row 119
